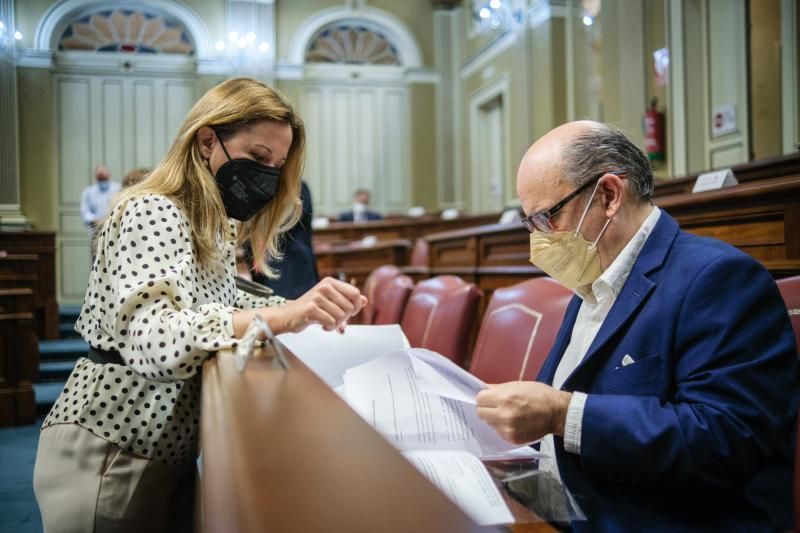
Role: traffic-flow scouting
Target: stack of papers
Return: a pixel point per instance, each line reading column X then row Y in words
column 421, row 402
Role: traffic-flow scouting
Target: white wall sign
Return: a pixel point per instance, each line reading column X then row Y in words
column 716, row 179
column 723, row 120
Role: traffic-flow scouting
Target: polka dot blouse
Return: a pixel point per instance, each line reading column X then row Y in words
column 150, row 299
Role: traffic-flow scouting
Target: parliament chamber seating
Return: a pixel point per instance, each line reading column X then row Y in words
column 518, row 329
column 391, row 299
column 440, row 315
column 369, row 289
column 760, row 215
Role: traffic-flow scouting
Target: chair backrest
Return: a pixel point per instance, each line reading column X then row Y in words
column 440, row 314
column 519, row 328
column 419, row 254
column 375, row 278
column 790, row 290
column 391, row 297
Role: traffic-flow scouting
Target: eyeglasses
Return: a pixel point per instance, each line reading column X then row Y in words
column 541, row 221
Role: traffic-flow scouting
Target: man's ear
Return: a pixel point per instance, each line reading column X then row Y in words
column 612, row 189
column 206, row 140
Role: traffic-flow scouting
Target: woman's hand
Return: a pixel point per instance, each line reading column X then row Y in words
column 329, row 303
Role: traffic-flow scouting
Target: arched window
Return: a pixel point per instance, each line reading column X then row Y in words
column 351, row 44
column 127, row 31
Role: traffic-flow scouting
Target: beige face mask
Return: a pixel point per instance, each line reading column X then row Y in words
column 566, row 256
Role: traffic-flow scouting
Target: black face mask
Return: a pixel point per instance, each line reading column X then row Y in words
column 246, row 186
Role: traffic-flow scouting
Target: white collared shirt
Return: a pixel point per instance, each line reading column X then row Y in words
column 95, row 201
column 597, row 302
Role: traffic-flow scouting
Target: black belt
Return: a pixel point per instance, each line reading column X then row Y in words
column 104, row 357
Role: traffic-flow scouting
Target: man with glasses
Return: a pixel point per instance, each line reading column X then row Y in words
column 669, row 397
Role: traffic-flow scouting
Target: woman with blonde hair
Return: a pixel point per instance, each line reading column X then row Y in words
column 117, row 451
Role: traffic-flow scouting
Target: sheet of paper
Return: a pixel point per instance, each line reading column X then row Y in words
column 439, row 375
column 387, row 393
column 329, row 353
column 466, row 482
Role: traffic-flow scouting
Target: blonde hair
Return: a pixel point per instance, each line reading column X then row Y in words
column 183, row 176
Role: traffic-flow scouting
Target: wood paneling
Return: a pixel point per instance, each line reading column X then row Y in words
column 353, row 262
column 398, row 228
column 19, row 357
column 121, row 121
column 42, row 245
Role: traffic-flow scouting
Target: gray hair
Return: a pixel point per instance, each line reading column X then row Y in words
column 605, row 148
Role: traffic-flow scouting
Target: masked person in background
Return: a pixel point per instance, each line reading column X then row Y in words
column 669, row 397
column 96, row 198
column 360, row 211
column 118, row 450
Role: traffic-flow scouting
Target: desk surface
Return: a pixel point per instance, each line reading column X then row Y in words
column 282, row 451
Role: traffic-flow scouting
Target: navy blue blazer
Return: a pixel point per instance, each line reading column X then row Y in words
column 698, row 432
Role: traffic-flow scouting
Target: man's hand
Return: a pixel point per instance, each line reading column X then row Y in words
column 524, row 411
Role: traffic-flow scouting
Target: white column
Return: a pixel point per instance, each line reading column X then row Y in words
column 677, row 90
column 447, row 62
column 10, row 213
column 790, row 76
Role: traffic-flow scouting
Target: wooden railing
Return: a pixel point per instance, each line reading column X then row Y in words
column 355, row 260
column 397, row 228
column 282, row 452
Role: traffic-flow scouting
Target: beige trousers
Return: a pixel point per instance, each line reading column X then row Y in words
column 84, row 483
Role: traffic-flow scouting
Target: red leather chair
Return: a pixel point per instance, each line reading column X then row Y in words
column 419, row 254
column 518, row 330
column 391, row 297
column 440, row 314
column 376, row 277
column 790, row 290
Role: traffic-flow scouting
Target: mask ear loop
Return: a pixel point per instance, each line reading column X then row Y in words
column 223, row 145
column 588, row 205
column 583, row 216
column 594, row 244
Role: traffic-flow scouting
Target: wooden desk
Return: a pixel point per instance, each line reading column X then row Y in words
column 355, row 260
column 491, row 256
column 282, row 452
column 761, row 217
column 43, row 244
column 398, row 228
column 19, row 357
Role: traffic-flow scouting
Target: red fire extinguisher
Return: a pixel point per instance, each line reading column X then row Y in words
column 654, row 132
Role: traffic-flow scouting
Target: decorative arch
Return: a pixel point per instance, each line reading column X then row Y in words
column 58, row 18
column 406, row 45
column 352, row 44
